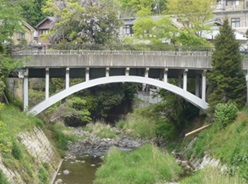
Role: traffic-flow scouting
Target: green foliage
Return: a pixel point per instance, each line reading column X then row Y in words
column 83, row 22
column 138, row 126
column 31, row 11
column 3, row 178
column 10, row 20
column 100, row 129
column 225, row 144
column 144, row 165
column 192, row 14
column 227, row 80
column 213, row 176
column 62, row 136
column 19, row 120
column 225, row 114
column 165, row 129
column 16, row 150
column 43, row 176
column 5, row 143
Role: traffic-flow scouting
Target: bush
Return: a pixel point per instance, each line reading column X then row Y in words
column 225, row 113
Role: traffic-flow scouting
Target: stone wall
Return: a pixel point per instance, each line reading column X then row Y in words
column 40, row 148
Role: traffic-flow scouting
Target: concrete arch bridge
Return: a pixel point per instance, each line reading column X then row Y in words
column 98, row 67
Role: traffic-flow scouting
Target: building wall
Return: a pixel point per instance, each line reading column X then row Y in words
column 27, row 35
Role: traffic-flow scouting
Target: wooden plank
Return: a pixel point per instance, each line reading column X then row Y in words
column 197, row 130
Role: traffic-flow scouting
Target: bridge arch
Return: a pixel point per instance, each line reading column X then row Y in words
column 116, row 79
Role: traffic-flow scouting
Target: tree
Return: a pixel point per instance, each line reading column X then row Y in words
column 227, row 80
column 194, row 15
column 83, row 21
column 31, row 11
column 131, row 8
column 10, row 22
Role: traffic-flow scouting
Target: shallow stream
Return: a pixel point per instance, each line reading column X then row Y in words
column 78, row 171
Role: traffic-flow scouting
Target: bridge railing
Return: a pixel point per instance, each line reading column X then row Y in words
column 110, row 52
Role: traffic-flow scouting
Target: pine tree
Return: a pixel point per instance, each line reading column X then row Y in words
column 227, row 80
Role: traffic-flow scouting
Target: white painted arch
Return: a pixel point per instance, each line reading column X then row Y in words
column 116, row 79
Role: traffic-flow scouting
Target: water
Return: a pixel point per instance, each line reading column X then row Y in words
column 81, row 171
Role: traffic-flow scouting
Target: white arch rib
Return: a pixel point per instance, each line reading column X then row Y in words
column 115, row 79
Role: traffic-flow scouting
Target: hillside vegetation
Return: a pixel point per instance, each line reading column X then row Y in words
column 13, row 153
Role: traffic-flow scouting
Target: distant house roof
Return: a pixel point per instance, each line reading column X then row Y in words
column 42, row 24
column 29, row 27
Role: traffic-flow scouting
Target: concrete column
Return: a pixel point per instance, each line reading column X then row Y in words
column 47, row 84
column 204, row 85
column 107, row 72
column 197, row 85
column 87, row 74
column 147, row 73
column 185, row 79
column 165, row 74
column 25, row 91
column 146, row 76
column 179, row 82
column 127, row 71
column 67, row 78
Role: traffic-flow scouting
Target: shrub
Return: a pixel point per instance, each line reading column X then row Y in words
column 225, row 113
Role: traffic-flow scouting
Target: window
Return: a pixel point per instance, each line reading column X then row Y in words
column 21, row 36
column 235, row 22
column 44, row 31
column 232, row 2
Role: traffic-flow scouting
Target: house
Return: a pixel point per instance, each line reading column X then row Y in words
column 236, row 11
column 27, row 36
column 43, row 27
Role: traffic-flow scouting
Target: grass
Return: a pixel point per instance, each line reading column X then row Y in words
column 3, row 179
column 17, row 121
column 14, row 155
column 138, row 126
column 229, row 144
column 62, row 135
column 145, row 165
column 210, row 175
column 101, row 130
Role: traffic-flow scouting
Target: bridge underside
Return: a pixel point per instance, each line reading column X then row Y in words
column 157, row 77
